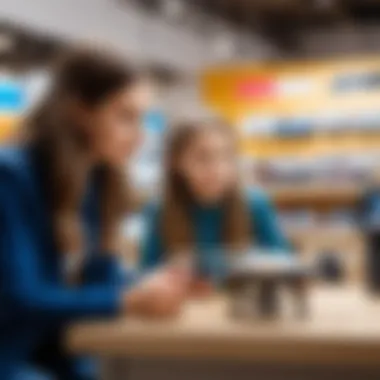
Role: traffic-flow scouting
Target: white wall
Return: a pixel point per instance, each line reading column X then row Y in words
column 183, row 100
column 137, row 34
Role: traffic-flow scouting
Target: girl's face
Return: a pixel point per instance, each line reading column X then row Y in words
column 114, row 128
column 208, row 165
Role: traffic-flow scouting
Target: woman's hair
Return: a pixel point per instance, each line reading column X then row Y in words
column 177, row 229
column 84, row 78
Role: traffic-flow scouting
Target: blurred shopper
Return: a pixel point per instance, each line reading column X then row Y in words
column 62, row 196
column 203, row 209
column 369, row 221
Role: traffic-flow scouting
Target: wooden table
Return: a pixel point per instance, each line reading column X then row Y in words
column 340, row 339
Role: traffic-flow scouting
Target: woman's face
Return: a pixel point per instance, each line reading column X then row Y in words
column 114, row 128
column 208, row 165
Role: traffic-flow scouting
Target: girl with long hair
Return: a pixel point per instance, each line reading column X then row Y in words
column 204, row 211
column 62, row 197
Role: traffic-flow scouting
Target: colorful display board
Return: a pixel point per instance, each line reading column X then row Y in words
column 299, row 108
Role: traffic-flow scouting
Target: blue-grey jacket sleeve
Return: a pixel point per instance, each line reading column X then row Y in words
column 266, row 229
column 25, row 287
column 152, row 250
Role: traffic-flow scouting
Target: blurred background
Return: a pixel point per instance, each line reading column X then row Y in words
column 299, row 79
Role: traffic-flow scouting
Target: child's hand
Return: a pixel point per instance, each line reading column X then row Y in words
column 181, row 269
column 160, row 295
column 201, row 288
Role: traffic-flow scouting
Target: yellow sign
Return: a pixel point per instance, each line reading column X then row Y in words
column 8, row 128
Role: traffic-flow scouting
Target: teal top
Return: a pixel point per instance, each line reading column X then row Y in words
column 207, row 221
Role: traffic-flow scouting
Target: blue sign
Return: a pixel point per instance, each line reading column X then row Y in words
column 154, row 121
column 12, row 97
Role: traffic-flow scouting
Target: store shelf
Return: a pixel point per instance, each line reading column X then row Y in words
column 315, row 196
column 328, row 232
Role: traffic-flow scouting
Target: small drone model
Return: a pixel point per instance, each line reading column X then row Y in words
column 258, row 284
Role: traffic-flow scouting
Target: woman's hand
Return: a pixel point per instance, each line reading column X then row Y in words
column 160, row 295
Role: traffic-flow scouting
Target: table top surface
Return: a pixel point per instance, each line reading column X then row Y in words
column 343, row 326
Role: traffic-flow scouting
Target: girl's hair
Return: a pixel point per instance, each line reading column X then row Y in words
column 177, row 230
column 84, row 78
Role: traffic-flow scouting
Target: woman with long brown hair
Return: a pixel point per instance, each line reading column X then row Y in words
column 203, row 209
column 62, row 197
